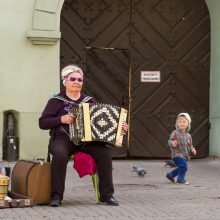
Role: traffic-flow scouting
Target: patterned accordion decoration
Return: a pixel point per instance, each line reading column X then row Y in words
column 97, row 122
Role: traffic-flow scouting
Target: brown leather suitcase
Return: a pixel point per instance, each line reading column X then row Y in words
column 32, row 178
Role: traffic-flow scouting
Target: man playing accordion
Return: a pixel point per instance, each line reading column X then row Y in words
column 57, row 119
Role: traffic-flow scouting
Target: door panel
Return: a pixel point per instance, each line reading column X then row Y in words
column 107, row 80
column 89, row 23
column 173, row 37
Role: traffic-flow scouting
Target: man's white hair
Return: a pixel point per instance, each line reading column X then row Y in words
column 70, row 69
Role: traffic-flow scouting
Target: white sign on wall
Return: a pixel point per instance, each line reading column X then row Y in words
column 150, row 76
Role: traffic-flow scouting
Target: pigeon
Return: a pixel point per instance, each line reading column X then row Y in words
column 139, row 170
column 170, row 163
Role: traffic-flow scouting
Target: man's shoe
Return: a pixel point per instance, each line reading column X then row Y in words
column 109, row 200
column 170, row 178
column 55, row 203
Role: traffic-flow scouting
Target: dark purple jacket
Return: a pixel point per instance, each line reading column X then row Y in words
column 55, row 108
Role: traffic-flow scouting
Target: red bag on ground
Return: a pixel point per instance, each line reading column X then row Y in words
column 84, row 164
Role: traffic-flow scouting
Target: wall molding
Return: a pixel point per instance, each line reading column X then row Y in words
column 46, row 22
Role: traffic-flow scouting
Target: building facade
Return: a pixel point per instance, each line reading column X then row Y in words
column 30, row 66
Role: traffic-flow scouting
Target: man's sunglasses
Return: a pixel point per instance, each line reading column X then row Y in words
column 73, row 79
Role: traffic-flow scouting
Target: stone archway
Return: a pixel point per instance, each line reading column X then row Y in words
column 46, row 22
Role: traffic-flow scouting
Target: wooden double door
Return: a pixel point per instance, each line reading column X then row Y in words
column 119, row 43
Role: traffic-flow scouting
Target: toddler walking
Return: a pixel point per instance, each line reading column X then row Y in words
column 180, row 143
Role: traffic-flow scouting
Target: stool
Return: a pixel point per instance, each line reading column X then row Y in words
column 84, row 164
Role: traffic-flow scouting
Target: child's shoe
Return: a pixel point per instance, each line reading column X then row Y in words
column 170, row 178
column 183, row 182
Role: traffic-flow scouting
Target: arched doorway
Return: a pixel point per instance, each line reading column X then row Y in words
column 152, row 57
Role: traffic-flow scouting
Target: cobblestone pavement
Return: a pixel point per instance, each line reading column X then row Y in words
column 148, row 197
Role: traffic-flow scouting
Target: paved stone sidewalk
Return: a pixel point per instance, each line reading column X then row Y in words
column 148, row 197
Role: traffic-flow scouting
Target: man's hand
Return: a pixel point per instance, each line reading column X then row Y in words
column 124, row 128
column 68, row 119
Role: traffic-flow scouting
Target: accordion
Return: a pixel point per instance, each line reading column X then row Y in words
column 97, row 122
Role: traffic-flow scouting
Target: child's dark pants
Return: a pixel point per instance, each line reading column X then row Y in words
column 180, row 171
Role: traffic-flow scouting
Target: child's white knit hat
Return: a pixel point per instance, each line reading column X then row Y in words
column 188, row 118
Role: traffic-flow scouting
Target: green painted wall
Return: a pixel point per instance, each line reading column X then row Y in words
column 29, row 73
column 214, row 8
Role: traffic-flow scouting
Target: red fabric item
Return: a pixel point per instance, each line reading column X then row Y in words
column 84, row 164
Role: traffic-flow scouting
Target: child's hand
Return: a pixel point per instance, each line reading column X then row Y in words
column 175, row 143
column 193, row 151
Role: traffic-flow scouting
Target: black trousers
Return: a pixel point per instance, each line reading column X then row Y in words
column 62, row 149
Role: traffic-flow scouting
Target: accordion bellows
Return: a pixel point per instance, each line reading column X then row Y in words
column 97, row 122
